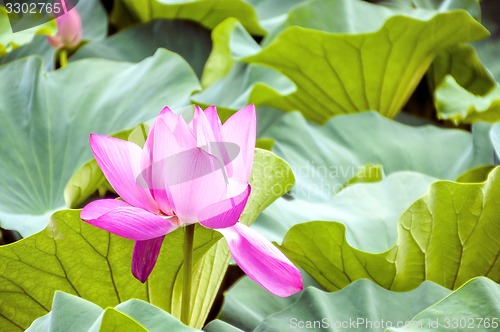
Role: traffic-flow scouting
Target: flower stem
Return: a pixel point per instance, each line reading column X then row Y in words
column 63, row 58
column 188, row 267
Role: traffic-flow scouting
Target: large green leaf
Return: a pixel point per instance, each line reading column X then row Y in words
column 445, row 237
column 474, row 306
column 472, row 6
column 152, row 318
column 208, row 13
column 461, row 62
column 68, row 312
column 140, row 41
column 114, row 320
column 475, row 175
column 455, row 103
column 94, row 26
column 326, row 158
column 364, row 208
column 353, row 66
column 72, row 313
column 258, row 16
column 246, row 305
column 247, row 308
column 38, row 46
column 272, row 13
column 231, row 84
column 495, row 138
column 488, row 48
column 75, row 257
column 47, row 118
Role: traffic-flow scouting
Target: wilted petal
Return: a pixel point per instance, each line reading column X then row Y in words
column 225, row 213
column 262, row 261
column 144, row 258
column 126, row 221
column 240, row 129
column 120, row 162
column 196, row 180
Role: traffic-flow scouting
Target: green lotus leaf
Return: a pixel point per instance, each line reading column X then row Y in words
column 114, row 320
column 72, row 313
column 258, row 16
column 488, row 48
column 453, row 102
column 461, row 62
column 231, row 84
column 47, row 118
column 140, row 41
column 68, row 312
column 152, row 318
column 246, row 305
column 272, row 13
column 472, row 306
column 325, row 158
column 445, row 237
column 351, row 71
column 352, row 64
column 495, row 139
column 475, row 175
column 366, row 174
column 471, row 6
column 208, row 13
column 247, row 308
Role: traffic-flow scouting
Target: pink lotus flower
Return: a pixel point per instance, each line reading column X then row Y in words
column 69, row 30
column 188, row 173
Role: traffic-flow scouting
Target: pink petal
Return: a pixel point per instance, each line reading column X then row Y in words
column 184, row 135
column 120, row 162
column 196, row 180
column 202, row 129
column 214, row 121
column 145, row 256
column 127, row 221
column 225, row 213
column 97, row 208
column 55, row 41
column 69, row 28
column 240, row 129
column 225, row 151
column 262, row 261
column 158, row 146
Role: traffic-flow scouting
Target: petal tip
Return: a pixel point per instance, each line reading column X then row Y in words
column 139, row 276
column 165, row 110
